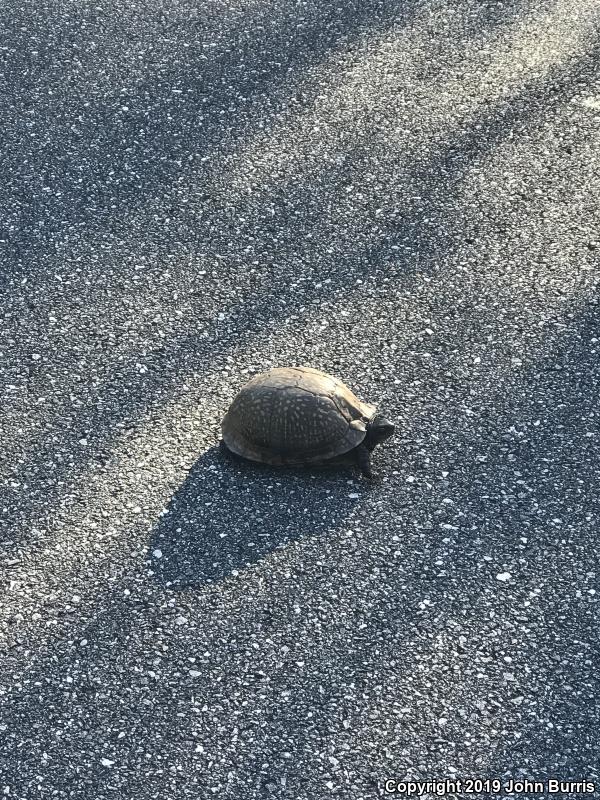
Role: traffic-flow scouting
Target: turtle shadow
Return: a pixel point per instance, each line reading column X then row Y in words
column 230, row 513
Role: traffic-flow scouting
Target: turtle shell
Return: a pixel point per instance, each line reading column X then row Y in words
column 295, row 415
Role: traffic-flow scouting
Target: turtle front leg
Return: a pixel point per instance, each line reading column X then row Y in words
column 363, row 460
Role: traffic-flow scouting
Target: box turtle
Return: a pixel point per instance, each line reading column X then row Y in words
column 301, row 416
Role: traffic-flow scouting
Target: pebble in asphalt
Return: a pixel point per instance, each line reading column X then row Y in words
column 405, row 195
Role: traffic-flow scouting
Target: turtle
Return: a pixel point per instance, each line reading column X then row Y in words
column 300, row 416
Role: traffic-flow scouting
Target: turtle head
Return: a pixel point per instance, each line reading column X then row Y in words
column 378, row 430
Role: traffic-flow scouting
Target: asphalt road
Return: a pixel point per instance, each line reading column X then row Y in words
column 405, row 194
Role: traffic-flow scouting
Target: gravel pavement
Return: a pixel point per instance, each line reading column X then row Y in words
column 405, row 194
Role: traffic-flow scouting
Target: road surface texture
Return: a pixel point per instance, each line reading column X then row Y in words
column 403, row 193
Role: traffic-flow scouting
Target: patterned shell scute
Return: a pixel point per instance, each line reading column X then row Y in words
column 302, row 422
column 294, row 415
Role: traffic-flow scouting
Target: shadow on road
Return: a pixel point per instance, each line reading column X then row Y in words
column 230, row 514
column 100, row 157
